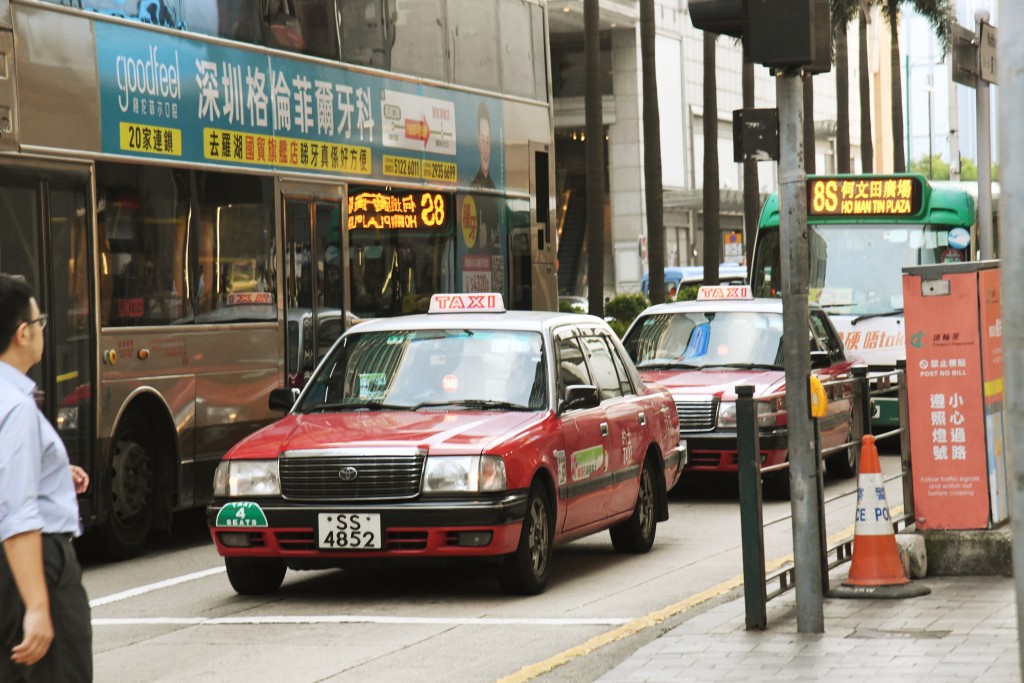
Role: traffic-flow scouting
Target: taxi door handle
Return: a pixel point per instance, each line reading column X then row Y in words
column 643, row 419
column 604, row 429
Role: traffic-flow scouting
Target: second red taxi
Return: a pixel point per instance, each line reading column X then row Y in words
column 466, row 432
column 701, row 350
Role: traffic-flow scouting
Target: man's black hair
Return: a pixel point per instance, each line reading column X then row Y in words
column 15, row 307
column 482, row 114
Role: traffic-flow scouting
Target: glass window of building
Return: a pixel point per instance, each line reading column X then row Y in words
column 568, row 62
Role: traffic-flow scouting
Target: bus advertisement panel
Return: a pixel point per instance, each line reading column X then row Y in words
column 863, row 230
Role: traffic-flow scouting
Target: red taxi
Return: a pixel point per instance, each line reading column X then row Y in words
column 466, row 432
column 701, row 350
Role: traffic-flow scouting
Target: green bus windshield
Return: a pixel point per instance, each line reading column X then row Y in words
column 856, row 268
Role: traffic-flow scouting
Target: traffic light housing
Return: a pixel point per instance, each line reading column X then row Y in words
column 775, row 33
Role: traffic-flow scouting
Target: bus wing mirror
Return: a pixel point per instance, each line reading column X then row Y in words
column 283, row 399
column 819, row 360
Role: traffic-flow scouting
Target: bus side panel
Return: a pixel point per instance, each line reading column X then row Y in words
column 204, row 391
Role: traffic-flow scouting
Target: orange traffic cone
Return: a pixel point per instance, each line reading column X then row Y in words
column 875, row 569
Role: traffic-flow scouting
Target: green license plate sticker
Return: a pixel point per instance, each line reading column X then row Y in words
column 242, row 513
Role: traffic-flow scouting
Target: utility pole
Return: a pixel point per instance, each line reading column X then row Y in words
column 984, row 31
column 1011, row 57
column 796, row 352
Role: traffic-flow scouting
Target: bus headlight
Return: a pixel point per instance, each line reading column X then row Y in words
column 464, row 474
column 67, row 419
column 241, row 478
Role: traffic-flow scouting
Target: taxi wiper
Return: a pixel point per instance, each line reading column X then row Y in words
column 365, row 405
column 486, row 404
column 898, row 311
column 659, row 363
column 744, row 366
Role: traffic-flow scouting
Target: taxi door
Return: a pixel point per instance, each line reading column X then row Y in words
column 626, row 417
column 586, row 433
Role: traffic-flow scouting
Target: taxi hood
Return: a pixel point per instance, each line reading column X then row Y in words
column 719, row 382
column 442, row 433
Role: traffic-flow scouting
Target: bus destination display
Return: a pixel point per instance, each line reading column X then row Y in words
column 864, row 197
column 409, row 210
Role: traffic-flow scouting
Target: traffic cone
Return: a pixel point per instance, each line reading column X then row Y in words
column 875, row 569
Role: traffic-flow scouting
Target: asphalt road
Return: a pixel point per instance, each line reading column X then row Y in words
column 171, row 615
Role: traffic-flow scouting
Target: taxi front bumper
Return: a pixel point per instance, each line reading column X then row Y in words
column 717, row 451
column 442, row 528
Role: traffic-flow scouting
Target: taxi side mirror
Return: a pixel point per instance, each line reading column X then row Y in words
column 819, row 360
column 283, row 399
column 581, row 396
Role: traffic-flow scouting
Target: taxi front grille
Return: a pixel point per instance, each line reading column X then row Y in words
column 698, row 415
column 330, row 477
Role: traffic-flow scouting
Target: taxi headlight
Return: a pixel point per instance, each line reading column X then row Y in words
column 464, row 474
column 727, row 415
column 242, row 478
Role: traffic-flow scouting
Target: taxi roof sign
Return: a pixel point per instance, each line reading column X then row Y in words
column 725, row 293
column 490, row 302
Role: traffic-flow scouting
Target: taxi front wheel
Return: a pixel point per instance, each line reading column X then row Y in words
column 254, row 576
column 525, row 572
column 636, row 534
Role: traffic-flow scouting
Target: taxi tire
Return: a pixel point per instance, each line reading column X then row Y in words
column 636, row 535
column 843, row 464
column 525, row 572
column 254, row 576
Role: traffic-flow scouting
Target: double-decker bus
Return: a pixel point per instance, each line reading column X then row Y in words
column 863, row 230
column 185, row 181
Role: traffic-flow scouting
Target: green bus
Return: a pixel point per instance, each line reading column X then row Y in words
column 863, row 230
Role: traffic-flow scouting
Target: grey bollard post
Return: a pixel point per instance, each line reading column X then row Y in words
column 755, row 595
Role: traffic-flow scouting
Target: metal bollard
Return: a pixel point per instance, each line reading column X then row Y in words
column 755, row 595
column 904, row 406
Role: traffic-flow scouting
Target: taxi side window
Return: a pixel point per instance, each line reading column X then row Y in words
column 825, row 337
column 571, row 367
column 611, row 379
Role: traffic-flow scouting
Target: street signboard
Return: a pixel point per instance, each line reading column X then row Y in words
column 987, row 53
column 965, row 56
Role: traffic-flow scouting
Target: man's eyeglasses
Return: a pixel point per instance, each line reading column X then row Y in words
column 41, row 320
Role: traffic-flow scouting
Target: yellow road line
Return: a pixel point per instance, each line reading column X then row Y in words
column 631, row 628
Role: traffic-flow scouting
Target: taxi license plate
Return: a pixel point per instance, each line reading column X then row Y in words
column 349, row 531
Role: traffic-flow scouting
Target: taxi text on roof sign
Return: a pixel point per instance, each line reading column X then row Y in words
column 466, row 303
column 724, row 292
column 864, row 196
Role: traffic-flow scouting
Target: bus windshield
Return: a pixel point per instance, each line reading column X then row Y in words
column 856, row 268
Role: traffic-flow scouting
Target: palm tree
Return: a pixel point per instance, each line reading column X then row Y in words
column 843, row 12
column 867, row 147
column 712, row 199
column 652, row 156
column 594, row 155
column 941, row 16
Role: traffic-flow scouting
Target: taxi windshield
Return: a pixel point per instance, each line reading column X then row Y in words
column 432, row 369
column 699, row 339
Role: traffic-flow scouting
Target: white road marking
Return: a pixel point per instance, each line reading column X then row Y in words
column 358, row 619
column 149, row 588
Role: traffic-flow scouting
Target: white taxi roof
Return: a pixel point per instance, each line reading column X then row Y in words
column 537, row 321
column 755, row 305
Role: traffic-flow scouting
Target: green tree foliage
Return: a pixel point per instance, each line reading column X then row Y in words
column 623, row 309
column 939, row 168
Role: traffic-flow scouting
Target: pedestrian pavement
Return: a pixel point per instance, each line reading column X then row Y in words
column 964, row 630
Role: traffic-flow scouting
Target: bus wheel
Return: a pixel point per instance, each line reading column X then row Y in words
column 130, row 490
column 525, row 572
column 254, row 576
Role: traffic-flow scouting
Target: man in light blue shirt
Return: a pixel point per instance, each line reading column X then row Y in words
column 45, row 626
